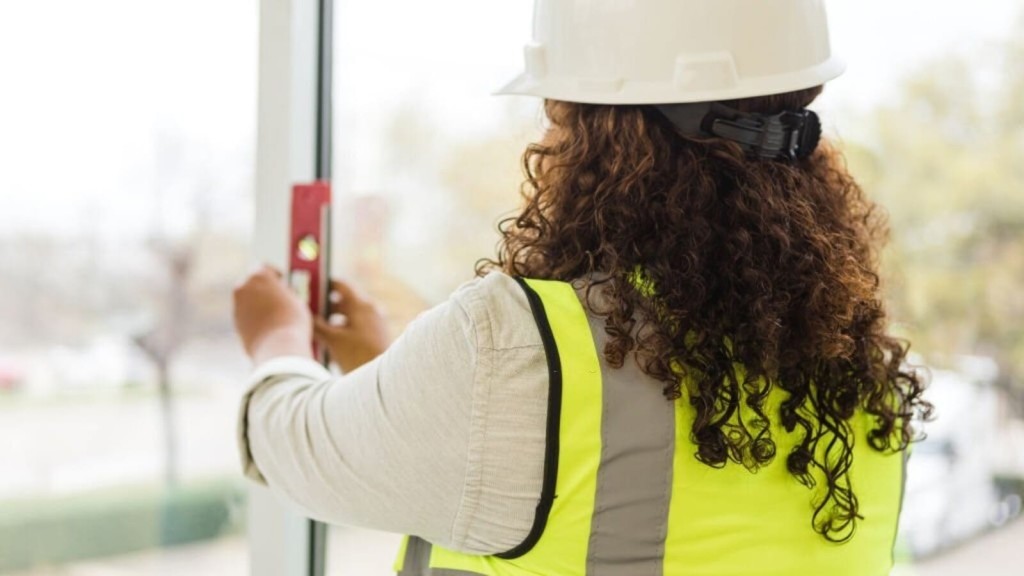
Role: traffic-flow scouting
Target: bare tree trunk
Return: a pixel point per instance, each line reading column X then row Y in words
column 168, row 424
column 163, row 341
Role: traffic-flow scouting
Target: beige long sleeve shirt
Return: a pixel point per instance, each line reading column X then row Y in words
column 442, row 436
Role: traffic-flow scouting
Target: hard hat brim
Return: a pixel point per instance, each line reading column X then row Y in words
column 589, row 91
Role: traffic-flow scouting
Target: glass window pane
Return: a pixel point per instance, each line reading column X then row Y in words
column 127, row 147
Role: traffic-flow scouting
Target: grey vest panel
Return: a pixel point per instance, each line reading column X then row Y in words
column 634, row 481
column 417, row 557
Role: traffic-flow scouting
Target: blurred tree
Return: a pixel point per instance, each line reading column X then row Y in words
column 945, row 159
column 484, row 177
column 195, row 267
column 186, row 302
column 36, row 276
column 449, row 192
column 164, row 337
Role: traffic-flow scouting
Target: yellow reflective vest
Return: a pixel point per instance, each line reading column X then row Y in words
column 623, row 494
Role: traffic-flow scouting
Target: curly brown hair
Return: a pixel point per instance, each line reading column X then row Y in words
column 771, row 266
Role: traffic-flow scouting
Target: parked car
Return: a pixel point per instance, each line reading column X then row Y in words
column 951, row 494
column 12, row 376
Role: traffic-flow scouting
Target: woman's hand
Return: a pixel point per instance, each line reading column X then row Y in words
column 270, row 320
column 359, row 335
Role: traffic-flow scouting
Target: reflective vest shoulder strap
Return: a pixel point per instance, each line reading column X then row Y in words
column 558, row 540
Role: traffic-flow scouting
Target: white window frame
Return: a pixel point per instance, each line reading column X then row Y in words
column 293, row 146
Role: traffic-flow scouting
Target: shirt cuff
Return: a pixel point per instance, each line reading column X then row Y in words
column 280, row 368
column 288, row 366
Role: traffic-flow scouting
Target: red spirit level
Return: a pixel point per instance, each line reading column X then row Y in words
column 309, row 255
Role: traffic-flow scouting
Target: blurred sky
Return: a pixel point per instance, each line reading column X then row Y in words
column 109, row 108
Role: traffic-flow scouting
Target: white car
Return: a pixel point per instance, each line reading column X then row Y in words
column 950, row 493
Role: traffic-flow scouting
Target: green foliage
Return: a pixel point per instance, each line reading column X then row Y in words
column 946, row 160
column 475, row 179
column 48, row 532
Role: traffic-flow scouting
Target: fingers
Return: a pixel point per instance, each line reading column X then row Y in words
column 268, row 272
column 335, row 322
column 322, row 328
column 344, row 297
column 272, row 271
column 327, row 333
column 260, row 273
column 345, row 290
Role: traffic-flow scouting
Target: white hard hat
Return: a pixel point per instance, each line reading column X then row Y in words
column 675, row 51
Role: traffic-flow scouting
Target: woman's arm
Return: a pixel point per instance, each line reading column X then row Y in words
column 440, row 436
column 383, row 447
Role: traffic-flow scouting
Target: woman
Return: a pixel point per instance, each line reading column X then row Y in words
column 678, row 363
